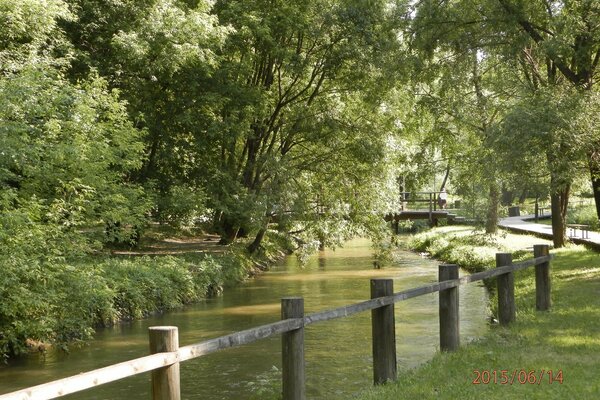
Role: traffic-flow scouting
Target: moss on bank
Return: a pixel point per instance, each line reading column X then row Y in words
column 564, row 339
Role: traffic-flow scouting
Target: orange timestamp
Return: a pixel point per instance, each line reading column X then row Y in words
column 517, row 376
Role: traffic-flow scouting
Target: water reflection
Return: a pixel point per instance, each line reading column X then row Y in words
column 338, row 353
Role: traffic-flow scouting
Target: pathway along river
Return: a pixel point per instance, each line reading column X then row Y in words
column 338, row 353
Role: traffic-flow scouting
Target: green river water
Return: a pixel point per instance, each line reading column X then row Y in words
column 338, row 353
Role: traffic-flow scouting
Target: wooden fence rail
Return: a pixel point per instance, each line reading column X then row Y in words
column 164, row 343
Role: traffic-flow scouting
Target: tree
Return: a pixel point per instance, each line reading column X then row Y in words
column 160, row 55
column 49, row 125
column 299, row 80
column 566, row 34
column 541, row 43
column 459, row 83
column 548, row 116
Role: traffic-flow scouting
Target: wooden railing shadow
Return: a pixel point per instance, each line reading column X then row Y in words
column 164, row 342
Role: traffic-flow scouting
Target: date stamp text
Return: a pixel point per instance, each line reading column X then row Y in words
column 517, row 377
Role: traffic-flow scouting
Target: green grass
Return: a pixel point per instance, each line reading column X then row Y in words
column 471, row 248
column 566, row 339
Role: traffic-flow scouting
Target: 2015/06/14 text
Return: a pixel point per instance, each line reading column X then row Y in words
column 516, row 376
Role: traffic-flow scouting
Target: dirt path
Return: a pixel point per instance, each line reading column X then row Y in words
column 174, row 245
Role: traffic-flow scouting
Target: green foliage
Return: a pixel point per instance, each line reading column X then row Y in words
column 54, row 302
column 160, row 55
column 71, row 147
column 181, row 206
column 586, row 216
column 30, row 34
column 147, row 285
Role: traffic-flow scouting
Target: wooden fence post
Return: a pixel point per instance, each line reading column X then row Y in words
column 506, row 290
column 543, row 284
column 292, row 352
column 165, row 380
column 383, row 328
column 449, row 318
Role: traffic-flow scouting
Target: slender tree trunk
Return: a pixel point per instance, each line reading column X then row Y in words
column 491, row 222
column 255, row 245
column 559, row 200
column 594, row 162
column 508, row 196
column 228, row 230
column 523, row 196
column 445, row 180
column 148, row 167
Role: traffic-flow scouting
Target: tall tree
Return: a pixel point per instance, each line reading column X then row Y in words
column 567, row 33
column 160, row 54
column 301, row 79
column 48, row 125
column 458, row 81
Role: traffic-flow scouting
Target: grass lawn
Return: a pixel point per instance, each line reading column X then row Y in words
column 565, row 339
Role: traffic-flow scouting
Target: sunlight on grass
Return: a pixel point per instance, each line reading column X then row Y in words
column 585, row 273
column 570, row 340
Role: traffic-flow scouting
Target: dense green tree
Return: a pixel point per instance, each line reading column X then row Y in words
column 160, row 54
column 549, row 116
column 459, row 86
column 245, row 100
column 67, row 153
column 301, row 81
column 68, row 146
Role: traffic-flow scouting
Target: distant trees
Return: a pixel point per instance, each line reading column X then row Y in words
column 542, row 57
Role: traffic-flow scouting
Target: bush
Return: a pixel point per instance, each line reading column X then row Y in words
column 474, row 252
column 181, row 206
column 584, row 215
column 59, row 303
column 54, row 292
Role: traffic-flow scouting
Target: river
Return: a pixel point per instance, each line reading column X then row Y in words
column 338, row 353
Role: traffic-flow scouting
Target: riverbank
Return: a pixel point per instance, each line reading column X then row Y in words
column 62, row 302
column 337, row 352
column 564, row 340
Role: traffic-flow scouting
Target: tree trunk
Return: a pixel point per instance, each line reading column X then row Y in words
column 491, row 222
column 228, row 230
column 508, row 196
column 523, row 196
column 255, row 245
column 559, row 200
column 594, row 160
column 445, row 180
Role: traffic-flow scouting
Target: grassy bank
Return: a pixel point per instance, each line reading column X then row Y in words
column 565, row 340
column 472, row 249
column 51, row 300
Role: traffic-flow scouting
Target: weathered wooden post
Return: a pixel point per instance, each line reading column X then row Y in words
column 543, row 284
column 506, row 290
column 292, row 351
column 384, row 333
column 449, row 318
column 165, row 380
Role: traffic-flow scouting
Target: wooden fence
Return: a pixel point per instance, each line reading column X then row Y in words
column 166, row 353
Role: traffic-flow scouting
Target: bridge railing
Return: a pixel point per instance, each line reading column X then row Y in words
column 429, row 200
column 164, row 342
